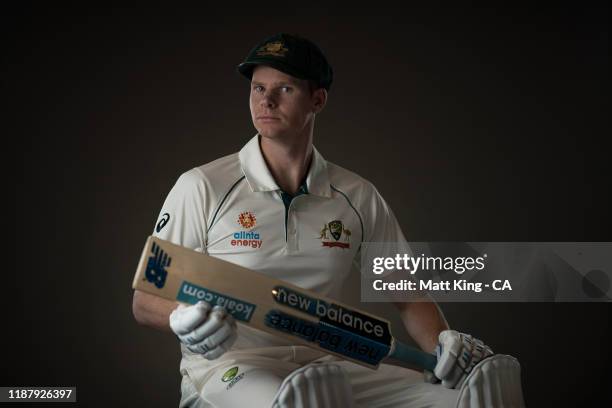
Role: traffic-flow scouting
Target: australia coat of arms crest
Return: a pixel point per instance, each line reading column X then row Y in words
column 334, row 234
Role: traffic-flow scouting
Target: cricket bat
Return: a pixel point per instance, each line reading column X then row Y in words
column 273, row 306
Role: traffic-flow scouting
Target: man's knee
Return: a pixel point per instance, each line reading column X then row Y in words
column 321, row 385
column 190, row 396
column 495, row 381
column 318, row 385
column 242, row 385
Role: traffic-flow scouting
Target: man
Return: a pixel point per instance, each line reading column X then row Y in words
column 280, row 208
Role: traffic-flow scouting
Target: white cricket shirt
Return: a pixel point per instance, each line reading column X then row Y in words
column 233, row 209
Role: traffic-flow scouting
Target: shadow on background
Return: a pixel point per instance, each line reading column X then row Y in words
column 475, row 125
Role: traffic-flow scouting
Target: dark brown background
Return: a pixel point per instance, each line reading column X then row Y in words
column 475, row 124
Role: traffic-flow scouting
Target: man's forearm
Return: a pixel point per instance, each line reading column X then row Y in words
column 424, row 321
column 152, row 311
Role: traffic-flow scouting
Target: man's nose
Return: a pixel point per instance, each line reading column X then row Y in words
column 267, row 100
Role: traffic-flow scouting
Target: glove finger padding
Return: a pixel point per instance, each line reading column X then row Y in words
column 214, row 322
column 184, row 319
column 221, row 348
column 204, row 331
column 223, row 329
column 459, row 354
column 450, row 347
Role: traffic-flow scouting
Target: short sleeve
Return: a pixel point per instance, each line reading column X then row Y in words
column 182, row 219
column 380, row 222
column 380, row 226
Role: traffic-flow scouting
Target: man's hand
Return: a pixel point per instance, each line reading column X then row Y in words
column 204, row 331
column 458, row 353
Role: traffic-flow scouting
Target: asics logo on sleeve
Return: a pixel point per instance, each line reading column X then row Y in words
column 162, row 222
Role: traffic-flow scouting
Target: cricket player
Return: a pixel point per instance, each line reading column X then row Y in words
column 278, row 207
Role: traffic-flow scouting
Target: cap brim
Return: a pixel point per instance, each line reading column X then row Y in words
column 246, row 68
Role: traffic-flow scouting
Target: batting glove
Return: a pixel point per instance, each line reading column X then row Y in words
column 458, row 353
column 202, row 330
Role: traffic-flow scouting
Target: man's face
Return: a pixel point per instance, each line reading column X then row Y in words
column 282, row 105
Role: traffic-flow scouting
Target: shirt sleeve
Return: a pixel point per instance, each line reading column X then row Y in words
column 182, row 219
column 380, row 228
column 380, row 223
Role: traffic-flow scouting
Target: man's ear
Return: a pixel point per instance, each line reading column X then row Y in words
column 320, row 99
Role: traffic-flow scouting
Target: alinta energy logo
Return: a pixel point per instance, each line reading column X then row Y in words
column 334, row 234
column 247, row 220
column 156, row 266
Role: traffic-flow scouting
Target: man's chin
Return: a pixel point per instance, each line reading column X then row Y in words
column 270, row 134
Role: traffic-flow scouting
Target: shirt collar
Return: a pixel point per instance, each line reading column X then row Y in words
column 259, row 177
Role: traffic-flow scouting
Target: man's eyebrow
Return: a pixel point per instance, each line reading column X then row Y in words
column 287, row 82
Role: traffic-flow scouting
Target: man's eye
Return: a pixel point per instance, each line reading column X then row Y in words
column 286, row 89
column 258, row 88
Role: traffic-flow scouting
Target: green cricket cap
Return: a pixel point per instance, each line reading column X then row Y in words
column 293, row 55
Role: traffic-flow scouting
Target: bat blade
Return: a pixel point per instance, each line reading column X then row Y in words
column 273, row 306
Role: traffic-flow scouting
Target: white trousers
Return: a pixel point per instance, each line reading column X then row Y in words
column 260, row 372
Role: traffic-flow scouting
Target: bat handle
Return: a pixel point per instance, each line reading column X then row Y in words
column 412, row 357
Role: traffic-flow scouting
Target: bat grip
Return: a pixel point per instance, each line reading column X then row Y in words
column 413, row 356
